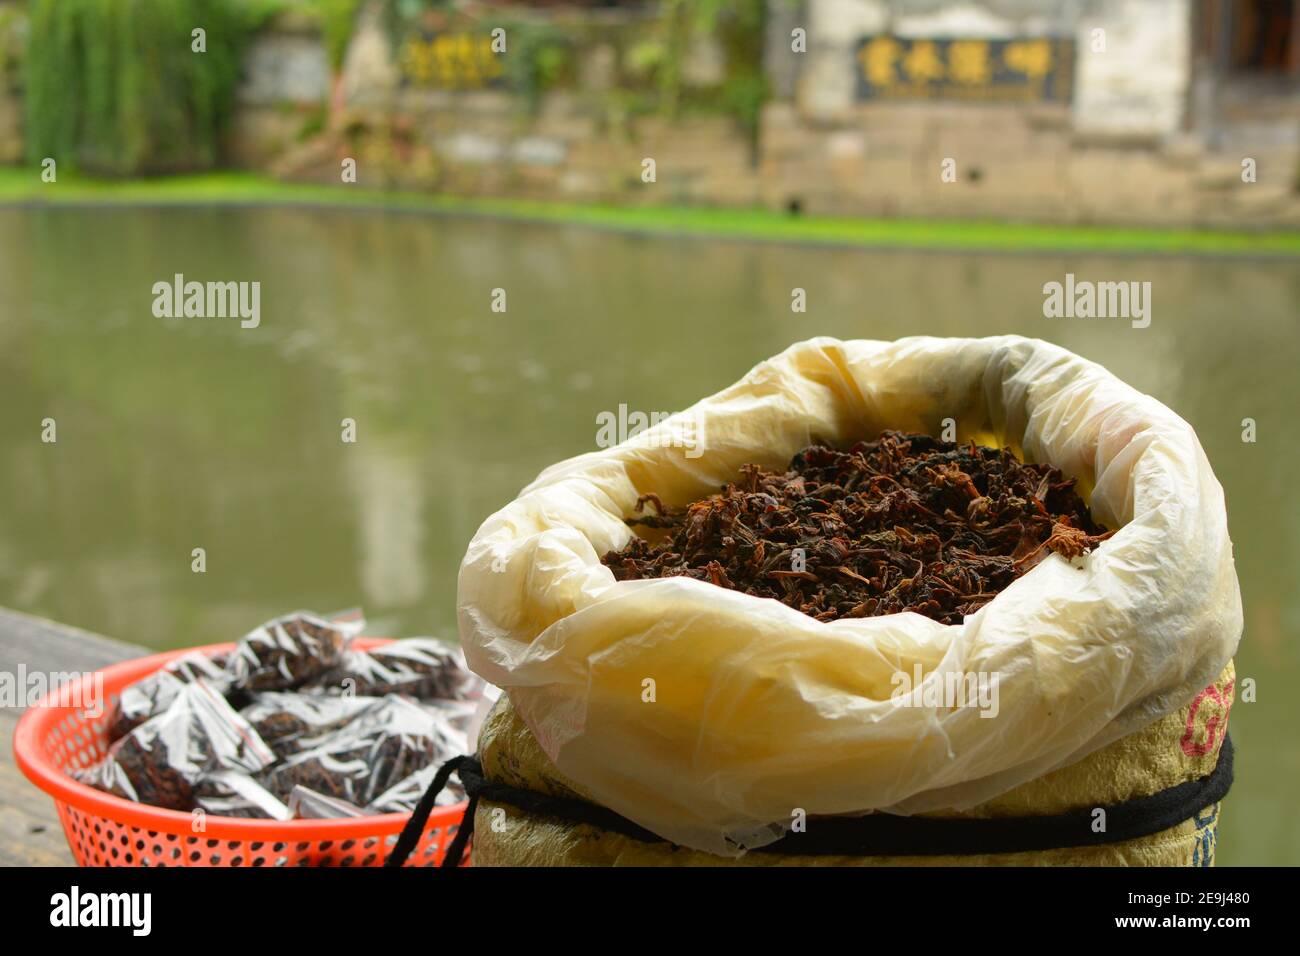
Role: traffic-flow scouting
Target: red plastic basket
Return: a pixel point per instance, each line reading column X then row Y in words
column 104, row 830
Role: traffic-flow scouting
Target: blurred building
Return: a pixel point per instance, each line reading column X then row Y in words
column 1173, row 112
column 1143, row 111
column 1074, row 110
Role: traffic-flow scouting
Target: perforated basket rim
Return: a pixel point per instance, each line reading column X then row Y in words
column 38, row 721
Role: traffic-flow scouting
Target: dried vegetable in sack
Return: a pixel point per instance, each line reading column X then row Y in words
column 761, row 707
column 902, row 523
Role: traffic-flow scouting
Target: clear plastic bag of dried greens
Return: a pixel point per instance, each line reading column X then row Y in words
column 420, row 667
column 307, row 804
column 290, row 651
column 377, row 749
column 232, row 793
column 151, row 695
column 161, row 761
column 290, row 722
column 458, row 713
column 405, row 794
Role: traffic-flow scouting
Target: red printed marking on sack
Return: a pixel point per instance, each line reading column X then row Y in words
column 1219, row 704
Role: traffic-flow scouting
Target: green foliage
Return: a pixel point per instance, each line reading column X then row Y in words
column 115, row 87
column 338, row 19
column 401, row 17
column 745, row 89
column 646, row 57
column 539, row 58
column 315, row 123
column 12, row 27
column 738, row 26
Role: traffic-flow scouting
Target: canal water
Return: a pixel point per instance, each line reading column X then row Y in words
column 188, row 433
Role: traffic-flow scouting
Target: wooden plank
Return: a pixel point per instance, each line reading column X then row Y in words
column 30, row 832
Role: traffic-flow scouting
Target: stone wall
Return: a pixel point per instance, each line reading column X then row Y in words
column 286, row 81
column 1139, row 85
column 482, row 146
column 575, row 143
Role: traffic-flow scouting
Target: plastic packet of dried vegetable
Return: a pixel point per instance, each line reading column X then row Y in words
column 420, row 667
column 307, row 804
column 151, row 695
column 290, row 722
column 290, row 651
column 458, row 713
column 161, row 761
column 378, row 748
column 405, row 794
column 232, row 793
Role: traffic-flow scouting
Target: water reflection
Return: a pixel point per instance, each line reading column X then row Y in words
column 386, row 482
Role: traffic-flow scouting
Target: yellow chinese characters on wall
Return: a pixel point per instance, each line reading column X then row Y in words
column 1036, row 69
column 450, row 61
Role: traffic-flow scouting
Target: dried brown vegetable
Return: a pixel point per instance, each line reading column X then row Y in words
column 181, row 744
column 379, row 747
column 902, row 523
column 420, row 667
column 162, row 760
column 154, row 694
column 288, row 652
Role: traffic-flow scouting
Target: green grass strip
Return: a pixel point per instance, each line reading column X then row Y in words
column 23, row 186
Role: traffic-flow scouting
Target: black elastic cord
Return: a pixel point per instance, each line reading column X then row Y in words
column 876, row 834
column 456, row 849
column 414, row 828
column 881, row 834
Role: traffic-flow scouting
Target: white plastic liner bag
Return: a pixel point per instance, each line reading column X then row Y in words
column 760, row 711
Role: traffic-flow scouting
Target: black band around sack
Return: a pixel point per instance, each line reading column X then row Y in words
column 876, row 834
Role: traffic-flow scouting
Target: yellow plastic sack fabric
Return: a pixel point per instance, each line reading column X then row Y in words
column 1179, row 747
column 760, row 709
